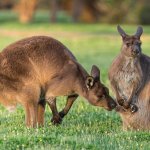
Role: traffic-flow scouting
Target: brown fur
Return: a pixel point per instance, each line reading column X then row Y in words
column 129, row 75
column 36, row 70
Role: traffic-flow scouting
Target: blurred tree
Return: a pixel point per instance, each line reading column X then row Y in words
column 77, row 7
column 134, row 8
column 115, row 11
column 26, row 10
column 6, row 4
column 145, row 13
column 54, row 7
column 108, row 11
column 83, row 10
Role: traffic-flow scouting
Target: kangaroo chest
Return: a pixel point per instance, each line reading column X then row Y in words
column 126, row 78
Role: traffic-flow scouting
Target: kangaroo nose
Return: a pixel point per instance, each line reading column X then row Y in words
column 135, row 51
column 113, row 105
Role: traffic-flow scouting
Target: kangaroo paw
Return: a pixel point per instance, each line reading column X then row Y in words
column 121, row 102
column 133, row 108
column 126, row 105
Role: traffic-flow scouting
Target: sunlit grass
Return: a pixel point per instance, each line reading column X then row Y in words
column 86, row 126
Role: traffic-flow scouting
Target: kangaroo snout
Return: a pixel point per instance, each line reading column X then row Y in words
column 135, row 50
column 113, row 105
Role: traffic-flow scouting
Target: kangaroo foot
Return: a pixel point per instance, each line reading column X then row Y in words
column 62, row 114
column 56, row 120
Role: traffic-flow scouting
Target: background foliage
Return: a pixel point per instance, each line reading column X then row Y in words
column 103, row 11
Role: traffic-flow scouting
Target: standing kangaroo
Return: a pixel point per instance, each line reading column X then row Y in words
column 129, row 76
column 36, row 70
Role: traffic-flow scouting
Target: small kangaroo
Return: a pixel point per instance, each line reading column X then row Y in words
column 38, row 69
column 129, row 76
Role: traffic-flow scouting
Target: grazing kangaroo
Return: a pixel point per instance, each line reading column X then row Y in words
column 129, row 76
column 36, row 70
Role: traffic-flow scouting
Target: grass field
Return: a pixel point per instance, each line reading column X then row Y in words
column 86, row 126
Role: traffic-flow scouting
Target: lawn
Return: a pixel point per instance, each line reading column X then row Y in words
column 86, row 126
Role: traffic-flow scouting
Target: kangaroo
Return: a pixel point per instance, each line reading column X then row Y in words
column 129, row 75
column 38, row 69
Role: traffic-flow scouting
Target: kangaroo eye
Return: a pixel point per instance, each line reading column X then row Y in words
column 101, row 96
column 128, row 44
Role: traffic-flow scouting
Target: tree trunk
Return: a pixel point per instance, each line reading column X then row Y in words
column 77, row 9
column 82, row 10
column 26, row 10
column 54, row 9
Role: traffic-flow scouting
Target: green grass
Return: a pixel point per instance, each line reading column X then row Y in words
column 86, row 126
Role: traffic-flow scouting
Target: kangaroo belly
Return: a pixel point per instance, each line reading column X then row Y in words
column 125, row 81
column 8, row 101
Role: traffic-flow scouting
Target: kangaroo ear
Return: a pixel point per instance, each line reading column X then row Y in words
column 89, row 82
column 95, row 73
column 121, row 32
column 139, row 32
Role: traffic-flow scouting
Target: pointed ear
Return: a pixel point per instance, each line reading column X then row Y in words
column 89, row 82
column 139, row 32
column 121, row 32
column 95, row 73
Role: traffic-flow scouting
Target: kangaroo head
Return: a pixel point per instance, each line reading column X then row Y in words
column 98, row 94
column 131, row 46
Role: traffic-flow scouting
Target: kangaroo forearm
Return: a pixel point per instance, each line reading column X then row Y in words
column 114, row 86
column 133, row 93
